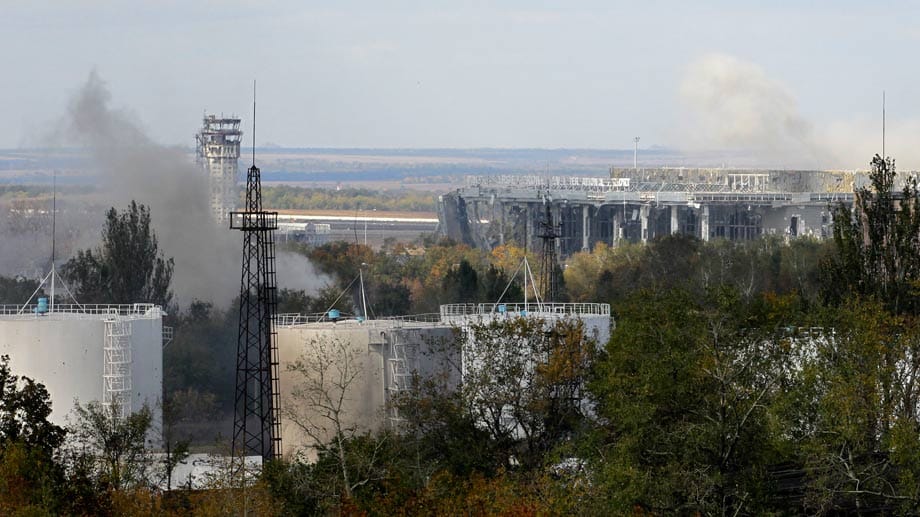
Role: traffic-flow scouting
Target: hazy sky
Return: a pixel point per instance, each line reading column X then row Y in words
column 458, row 74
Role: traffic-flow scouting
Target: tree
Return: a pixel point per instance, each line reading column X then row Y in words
column 31, row 478
column 16, row 290
column 25, row 406
column 388, row 299
column 684, row 395
column 175, row 445
column 294, row 484
column 323, row 406
column 113, row 445
column 522, row 383
column 878, row 242
column 196, row 366
column 441, row 433
column 850, row 412
column 461, row 284
column 232, row 488
column 127, row 268
column 495, row 284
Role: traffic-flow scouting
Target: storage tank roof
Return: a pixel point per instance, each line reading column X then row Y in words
column 319, row 321
column 79, row 312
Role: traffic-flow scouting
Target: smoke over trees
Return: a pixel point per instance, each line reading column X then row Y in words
column 128, row 267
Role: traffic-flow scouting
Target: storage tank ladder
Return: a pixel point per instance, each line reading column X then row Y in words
column 116, row 372
column 400, row 377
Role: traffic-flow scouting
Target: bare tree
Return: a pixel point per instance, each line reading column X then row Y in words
column 324, row 405
column 175, row 446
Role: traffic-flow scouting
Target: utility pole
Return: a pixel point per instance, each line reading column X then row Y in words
column 636, row 153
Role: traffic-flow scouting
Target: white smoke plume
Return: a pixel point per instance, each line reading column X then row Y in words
column 130, row 165
column 296, row 272
column 854, row 142
column 733, row 104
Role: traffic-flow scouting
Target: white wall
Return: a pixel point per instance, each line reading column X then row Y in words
column 65, row 353
column 147, row 367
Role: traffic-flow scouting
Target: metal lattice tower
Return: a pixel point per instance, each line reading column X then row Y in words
column 218, row 152
column 257, row 423
column 549, row 281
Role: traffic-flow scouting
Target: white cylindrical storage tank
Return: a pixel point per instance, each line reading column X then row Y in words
column 75, row 350
column 595, row 316
column 377, row 359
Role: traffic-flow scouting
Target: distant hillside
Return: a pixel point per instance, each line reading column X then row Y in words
column 404, row 166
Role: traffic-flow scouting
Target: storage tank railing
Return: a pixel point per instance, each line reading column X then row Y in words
column 128, row 309
column 293, row 319
column 480, row 309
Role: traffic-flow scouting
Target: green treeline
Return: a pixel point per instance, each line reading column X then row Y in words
column 10, row 192
column 748, row 378
column 286, row 197
column 742, row 378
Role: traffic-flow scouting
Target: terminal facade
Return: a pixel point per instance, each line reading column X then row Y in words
column 636, row 205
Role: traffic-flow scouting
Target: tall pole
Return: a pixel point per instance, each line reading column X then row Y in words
column 883, row 124
column 53, row 229
column 636, row 153
column 363, row 295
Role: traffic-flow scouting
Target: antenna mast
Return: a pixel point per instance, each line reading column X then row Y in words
column 883, row 124
column 53, row 229
column 253, row 122
column 52, row 272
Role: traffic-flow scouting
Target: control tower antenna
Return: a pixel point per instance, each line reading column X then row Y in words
column 257, row 407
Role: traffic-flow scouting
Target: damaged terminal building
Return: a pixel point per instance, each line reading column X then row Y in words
column 636, row 205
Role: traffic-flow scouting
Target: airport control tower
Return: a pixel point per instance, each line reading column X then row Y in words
column 218, row 150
